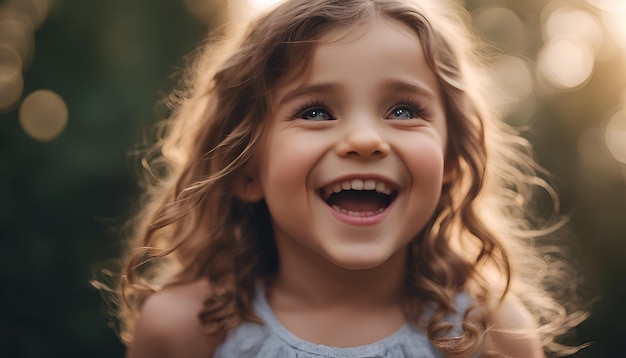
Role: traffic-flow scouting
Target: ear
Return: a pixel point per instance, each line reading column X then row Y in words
column 450, row 169
column 248, row 187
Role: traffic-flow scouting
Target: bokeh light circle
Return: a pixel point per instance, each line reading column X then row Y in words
column 43, row 115
column 10, row 59
column 38, row 11
column 514, row 77
column 609, row 5
column 574, row 24
column 35, row 10
column 615, row 136
column 615, row 23
column 11, row 87
column 11, row 79
column 566, row 64
column 18, row 35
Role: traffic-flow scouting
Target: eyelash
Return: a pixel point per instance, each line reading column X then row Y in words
column 419, row 111
column 309, row 106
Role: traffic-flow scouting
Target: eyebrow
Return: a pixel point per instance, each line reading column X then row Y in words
column 311, row 89
column 332, row 87
column 411, row 87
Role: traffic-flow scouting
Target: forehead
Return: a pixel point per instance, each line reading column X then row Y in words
column 381, row 29
column 381, row 38
column 374, row 51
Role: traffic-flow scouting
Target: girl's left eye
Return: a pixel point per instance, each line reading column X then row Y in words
column 316, row 114
column 313, row 111
column 403, row 111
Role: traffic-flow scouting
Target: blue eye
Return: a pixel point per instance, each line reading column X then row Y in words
column 316, row 114
column 402, row 112
column 408, row 110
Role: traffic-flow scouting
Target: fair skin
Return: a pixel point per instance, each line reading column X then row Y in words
column 169, row 327
column 361, row 177
column 351, row 167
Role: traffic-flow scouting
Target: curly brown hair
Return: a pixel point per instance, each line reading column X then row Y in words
column 192, row 225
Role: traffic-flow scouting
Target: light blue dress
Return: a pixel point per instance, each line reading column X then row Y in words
column 273, row 340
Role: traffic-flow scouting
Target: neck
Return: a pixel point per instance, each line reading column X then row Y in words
column 317, row 282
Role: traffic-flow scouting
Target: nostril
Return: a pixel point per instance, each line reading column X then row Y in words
column 365, row 154
column 362, row 153
column 363, row 143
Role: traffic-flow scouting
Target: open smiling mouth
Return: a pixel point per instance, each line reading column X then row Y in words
column 359, row 198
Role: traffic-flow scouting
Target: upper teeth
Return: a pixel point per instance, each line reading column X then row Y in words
column 357, row 184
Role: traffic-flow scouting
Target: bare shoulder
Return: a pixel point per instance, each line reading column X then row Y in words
column 168, row 324
column 513, row 333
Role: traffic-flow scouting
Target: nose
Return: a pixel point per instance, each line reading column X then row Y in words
column 364, row 140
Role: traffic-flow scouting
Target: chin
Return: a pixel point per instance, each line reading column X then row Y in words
column 359, row 260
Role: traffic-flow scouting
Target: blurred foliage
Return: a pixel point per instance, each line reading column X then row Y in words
column 112, row 62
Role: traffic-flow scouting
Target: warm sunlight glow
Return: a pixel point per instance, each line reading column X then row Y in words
column 615, row 23
column 514, row 80
column 43, row 115
column 262, row 4
column 616, row 136
column 573, row 24
column 614, row 18
column 566, row 64
column 609, row 5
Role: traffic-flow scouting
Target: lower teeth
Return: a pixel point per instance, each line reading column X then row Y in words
column 361, row 214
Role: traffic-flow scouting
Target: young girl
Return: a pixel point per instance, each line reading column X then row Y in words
column 336, row 185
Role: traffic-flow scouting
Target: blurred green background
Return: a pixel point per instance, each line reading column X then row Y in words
column 80, row 86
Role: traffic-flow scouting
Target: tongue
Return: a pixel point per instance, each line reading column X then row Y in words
column 358, row 201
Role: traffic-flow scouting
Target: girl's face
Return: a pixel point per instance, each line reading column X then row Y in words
column 352, row 162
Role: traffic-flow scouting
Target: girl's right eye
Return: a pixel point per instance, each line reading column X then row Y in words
column 315, row 114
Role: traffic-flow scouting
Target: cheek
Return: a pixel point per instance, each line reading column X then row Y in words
column 425, row 161
column 287, row 163
column 284, row 173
